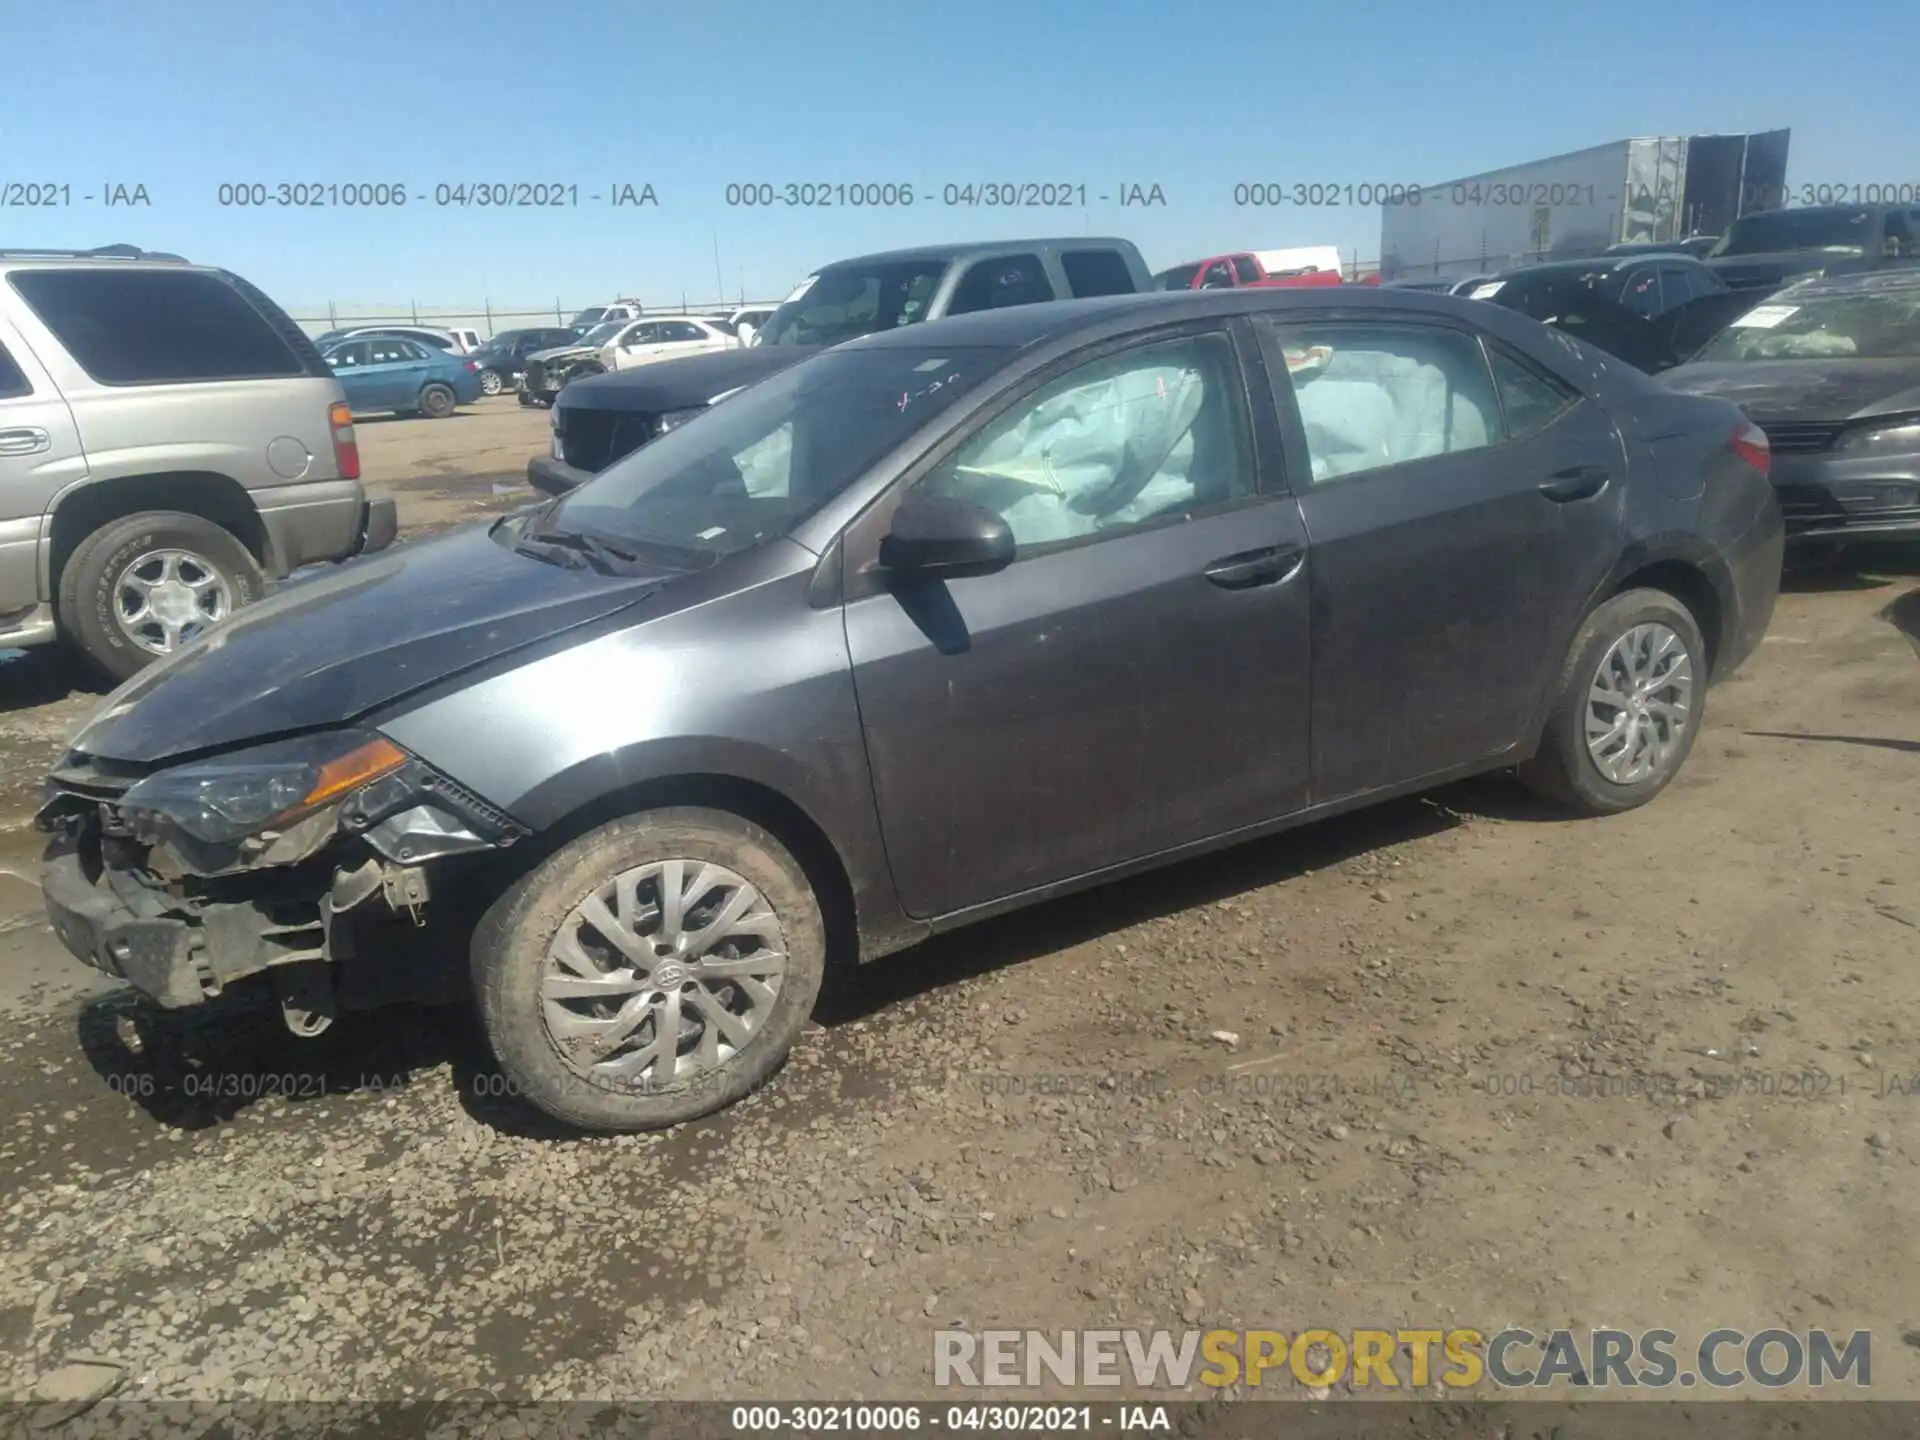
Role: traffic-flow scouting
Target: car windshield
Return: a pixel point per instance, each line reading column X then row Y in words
column 1860, row 325
column 1844, row 231
column 602, row 334
column 1180, row 277
column 749, row 470
column 849, row 301
column 1546, row 291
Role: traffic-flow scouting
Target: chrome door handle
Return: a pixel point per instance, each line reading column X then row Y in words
column 26, row 440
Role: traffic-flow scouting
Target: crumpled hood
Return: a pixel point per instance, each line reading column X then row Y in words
column 684, row 383
column 1819, row 389
column 562, row 352
column 327, row 650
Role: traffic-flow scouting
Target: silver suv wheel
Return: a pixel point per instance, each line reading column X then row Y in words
column 164, row 598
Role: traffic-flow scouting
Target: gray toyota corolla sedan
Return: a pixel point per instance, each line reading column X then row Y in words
column 936, row 624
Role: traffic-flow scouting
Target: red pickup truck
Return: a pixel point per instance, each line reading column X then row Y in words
column 1237, row 271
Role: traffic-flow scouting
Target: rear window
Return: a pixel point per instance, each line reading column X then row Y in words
column 1097, row 272
column 156, row 327
column 12, row 382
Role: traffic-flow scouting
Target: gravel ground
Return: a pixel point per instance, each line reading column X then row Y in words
column 1314, row 1081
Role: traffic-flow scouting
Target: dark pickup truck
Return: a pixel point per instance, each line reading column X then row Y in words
column 601, row 418
column 1763, row 251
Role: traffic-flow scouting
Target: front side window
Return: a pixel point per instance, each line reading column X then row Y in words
column 1371, row 396
column 1246, row 269
column 749, row 470
column 847, row 302
column 1219, row 276
column 1143, row 435
column 350, row 355
column 156, row 326
column 679, row 332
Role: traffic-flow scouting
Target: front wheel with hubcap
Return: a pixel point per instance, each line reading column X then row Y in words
column 652, row 971
column 140, row 588
column 1629, row 705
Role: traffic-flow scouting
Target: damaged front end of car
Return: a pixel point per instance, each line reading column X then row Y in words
column 309, row 861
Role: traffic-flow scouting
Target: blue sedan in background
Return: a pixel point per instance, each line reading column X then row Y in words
column 387, row 373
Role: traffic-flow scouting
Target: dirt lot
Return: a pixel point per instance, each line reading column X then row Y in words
column 1033, row 1124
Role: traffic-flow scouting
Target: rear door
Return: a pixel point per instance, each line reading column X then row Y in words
column 40, row 455
column 395, row 371
column 1450, row 499
column 1137, row 678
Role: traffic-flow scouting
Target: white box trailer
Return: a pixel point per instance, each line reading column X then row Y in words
column 1653, row 189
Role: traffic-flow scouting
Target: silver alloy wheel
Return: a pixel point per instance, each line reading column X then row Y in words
column 667, row 971
column 165, row 598
column 491, row 383
column 1639, row 704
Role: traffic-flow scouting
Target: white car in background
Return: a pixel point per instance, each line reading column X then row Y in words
column 664, row 338
column 744, row 323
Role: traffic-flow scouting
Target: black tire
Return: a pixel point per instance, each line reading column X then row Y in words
column 1563, row 770
column 510, row 944
column 86, row 603
column 492, row 382
column 437, row 401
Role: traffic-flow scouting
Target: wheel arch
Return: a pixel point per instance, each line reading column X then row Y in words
column 82, row 510
column 563, row 817
column 1693, row 574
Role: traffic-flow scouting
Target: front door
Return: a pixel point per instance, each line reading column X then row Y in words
column 1137, row 679
column 1446, row 532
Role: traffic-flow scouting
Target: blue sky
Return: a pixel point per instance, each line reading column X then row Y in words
column 691, row 96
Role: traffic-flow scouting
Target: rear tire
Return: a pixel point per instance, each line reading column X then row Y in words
column 492, row 382
column 1643, row 741
column 101, row 585
column 437, row 401
column 562, row 993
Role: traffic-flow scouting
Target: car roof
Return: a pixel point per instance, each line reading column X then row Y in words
column 1896, row 280
column 1017, row 326
column 1874, row 209
column 963, row 249
column 1596, row 262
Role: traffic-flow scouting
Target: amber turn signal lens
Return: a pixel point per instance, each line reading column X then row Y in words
column 354, row 769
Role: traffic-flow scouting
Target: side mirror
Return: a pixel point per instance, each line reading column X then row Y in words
column 945, row 540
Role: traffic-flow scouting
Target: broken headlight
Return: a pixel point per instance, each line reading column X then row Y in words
column 230, row 797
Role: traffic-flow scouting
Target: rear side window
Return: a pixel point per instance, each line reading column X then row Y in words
column 1531, row 401
column 156, row 327
column 1000, row 282
column 1244, row 267
column 1097, row 272
column 1371, row 396
column 13, row 383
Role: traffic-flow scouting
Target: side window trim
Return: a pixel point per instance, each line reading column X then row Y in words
column 859, row 542
column 1570, row 397
column 10, row 387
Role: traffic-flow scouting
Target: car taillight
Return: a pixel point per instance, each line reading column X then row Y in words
column 346, row 450
column 1750, row 443
column 471, row 366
